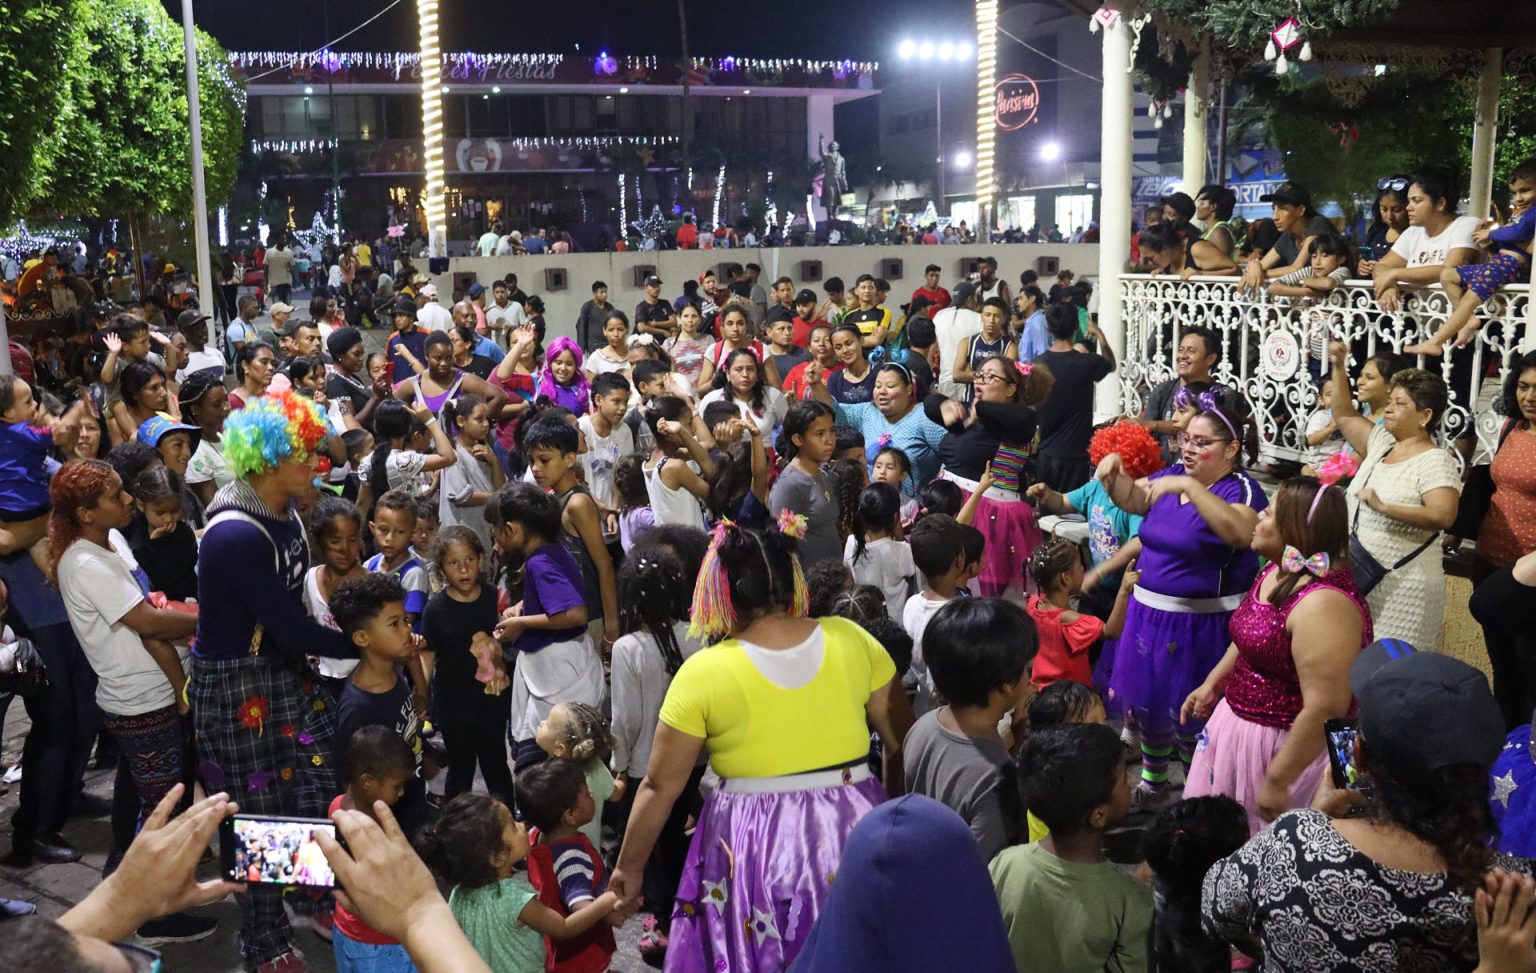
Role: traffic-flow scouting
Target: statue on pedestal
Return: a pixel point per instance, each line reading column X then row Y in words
column 834, row 176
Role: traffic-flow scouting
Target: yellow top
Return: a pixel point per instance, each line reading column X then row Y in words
column 756, row 728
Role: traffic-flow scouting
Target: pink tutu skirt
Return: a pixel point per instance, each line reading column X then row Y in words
column 1231, row 759
column 760, row 869
column 1012, row 534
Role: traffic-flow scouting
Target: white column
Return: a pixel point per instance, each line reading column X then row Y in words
column 1196, row 122
column 5, row 343
column 1485, row 131
column 986, row 116
column 204, row 270
column 1115, row 199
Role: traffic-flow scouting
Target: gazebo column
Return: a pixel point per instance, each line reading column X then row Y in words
column 1197, row 123
column 1114, row 195
column 1485, row 131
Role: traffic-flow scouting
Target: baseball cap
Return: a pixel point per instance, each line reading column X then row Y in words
column 188, row 318
column 963, row 292
column 1289, row 192
column 278, row 307
column 806, row 296
column 1421, row 711
column 169, row 269
column 476, row 289
column 160, row 425
column 653, row 281
column 428, row 291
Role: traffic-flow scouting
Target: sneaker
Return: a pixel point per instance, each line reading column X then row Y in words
column 320, row 923
column 178, row 927
column 14, row 774
column 1146, row 798
column 290, row 962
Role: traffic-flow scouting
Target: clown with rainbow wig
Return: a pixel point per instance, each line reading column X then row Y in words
column 264, row 724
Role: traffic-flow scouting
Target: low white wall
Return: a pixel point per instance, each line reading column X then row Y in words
column 618, row 270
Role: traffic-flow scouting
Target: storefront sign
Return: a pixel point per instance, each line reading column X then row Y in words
column 1018, row 102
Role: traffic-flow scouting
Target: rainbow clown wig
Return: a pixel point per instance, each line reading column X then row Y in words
column 271, row 429
column 1137, row 448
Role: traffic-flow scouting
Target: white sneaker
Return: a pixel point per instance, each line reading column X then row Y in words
column 12, row 775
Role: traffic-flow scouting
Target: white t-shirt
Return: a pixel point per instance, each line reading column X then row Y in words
column 98, row 589
column 775, row 407
column 639, row 684
column 602, row 455
column 208, row 464
column 508, row 317
column 915, row 617
column 886, row 564
column 320, row 610
column 434, row 317
column 404, row 469
column 672, row 506
column 598, row 363
column 197, row 361
column 950, row 327
column 1416, row 246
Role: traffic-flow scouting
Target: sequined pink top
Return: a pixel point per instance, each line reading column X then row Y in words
column 1265, row 688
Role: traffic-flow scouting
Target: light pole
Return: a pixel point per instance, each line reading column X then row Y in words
column 943, row 52
column 199, row 187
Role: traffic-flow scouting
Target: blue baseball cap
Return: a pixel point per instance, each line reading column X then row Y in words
column 159, row 425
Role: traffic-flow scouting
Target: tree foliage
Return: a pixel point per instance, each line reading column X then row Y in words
column 1245, row 25
column 127, row 150
column 37, row 38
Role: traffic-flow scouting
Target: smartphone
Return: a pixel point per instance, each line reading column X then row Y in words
column 1340, row 735
column 263, row 850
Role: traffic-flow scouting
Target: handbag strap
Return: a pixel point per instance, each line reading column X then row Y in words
column 1354, row 528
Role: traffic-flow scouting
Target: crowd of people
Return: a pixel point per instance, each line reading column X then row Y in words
column 663, row 618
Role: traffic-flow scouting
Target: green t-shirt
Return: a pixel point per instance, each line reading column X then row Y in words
column 488, row 916
column 1071, row 917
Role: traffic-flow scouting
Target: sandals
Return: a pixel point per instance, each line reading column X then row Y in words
column 652, row 944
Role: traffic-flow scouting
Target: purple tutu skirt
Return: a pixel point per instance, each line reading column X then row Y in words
column 758, row 872
column 1232, row 757
column 1160, row 658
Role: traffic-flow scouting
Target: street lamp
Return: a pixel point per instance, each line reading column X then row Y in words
column 944, row 51
column 1050, row 151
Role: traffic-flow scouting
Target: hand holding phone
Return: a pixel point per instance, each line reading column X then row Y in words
column 1340, row 736
column 264, row 850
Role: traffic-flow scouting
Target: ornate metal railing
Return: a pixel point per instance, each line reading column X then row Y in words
column 1275, row 348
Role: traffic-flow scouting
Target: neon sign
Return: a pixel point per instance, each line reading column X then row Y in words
column 1018, row 102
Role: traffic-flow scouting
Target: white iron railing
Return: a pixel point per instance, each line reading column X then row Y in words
column 1274, row 346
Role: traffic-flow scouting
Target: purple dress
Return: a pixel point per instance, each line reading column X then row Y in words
column 1176, row 625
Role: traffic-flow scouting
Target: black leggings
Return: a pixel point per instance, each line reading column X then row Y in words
column 1501, row 605
column 482, row 741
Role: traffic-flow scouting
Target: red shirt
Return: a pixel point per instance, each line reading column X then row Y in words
column 939, row 296
column 795, row 386
column 1063, row 652
column 590, row 952
column 354, row 927
column 803, row 329
column 687, row 236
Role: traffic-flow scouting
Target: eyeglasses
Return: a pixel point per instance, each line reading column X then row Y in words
column 140, row 959
column 987, row 378
column 1199, row 442
column 1395, row 183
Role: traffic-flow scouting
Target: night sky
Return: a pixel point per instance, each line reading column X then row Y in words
column 865, row 29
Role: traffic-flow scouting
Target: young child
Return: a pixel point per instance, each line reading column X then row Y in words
column 978, row 652
column 394, row 464
column 394, row 524
column 1181, row 845
column 634, row 501
column 470, row 704
column 939, row 497
column 877, row 554
column 677, row 474
column 1323, row 437
column 23, row 479
column 424, row 541
column 739, row 488
column 893, row 466
column 579, row 733
column 1468, row 286
column 476, row 845
column 370, row 611
column 379, row 767
column 949, row 556
column 561, row 380
column 563, row 864
column 556, row 662
column 468, row 484
column 336, row 529
column 1058, row 704
column 608, row 440
column 825, row 582
column 163, row 544
column 1328, row 266
column 782, row 348
column 848, row 477
column 1067, row 635
column 1065, row 906
column 553, row 448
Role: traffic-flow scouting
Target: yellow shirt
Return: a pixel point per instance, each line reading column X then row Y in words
column 364, row 254
column 755, row 728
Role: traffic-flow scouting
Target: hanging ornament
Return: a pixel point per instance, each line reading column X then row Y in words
column 1105, row 17
column 1306, row 51
column 1282, row 39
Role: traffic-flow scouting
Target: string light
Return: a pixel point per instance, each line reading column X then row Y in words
column 431, row 63
column 719, row 192
column 465, row 65
column 293, row 146
column 772, row 216
column 25, row 243
column 810, row 211
column 623, row 201
column 986, row 111
column 223, row 226
column 589, row 141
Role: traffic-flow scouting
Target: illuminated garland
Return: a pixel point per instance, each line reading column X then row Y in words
column 623, row 201
column 589, row 142
column 293, row 145
column 719, row 192
column 986, row 98
column 24, row 243
column 432, row 128
column 468, row 60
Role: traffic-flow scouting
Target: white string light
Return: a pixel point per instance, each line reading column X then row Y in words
column 589, row 141
column 431, row 62
column 462, row 62
column 986, row 109
column 623, row 203
column 293, row 145
column 719, row 192
column 25, row 243
column 223, row 226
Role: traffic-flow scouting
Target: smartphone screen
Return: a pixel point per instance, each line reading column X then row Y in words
column 275, row 851
column 1341, row 735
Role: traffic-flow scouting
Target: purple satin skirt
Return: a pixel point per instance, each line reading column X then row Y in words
column 758, row 871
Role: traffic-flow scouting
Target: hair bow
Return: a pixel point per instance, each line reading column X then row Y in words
column 793, row 524
column 1294, row 562
column 1207, row 401
column 884, row 440
column 1025, row 368
column 639, row 340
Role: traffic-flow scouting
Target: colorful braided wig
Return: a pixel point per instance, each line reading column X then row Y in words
column 271, row 429
column 714, row 615
column 1137, row 448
